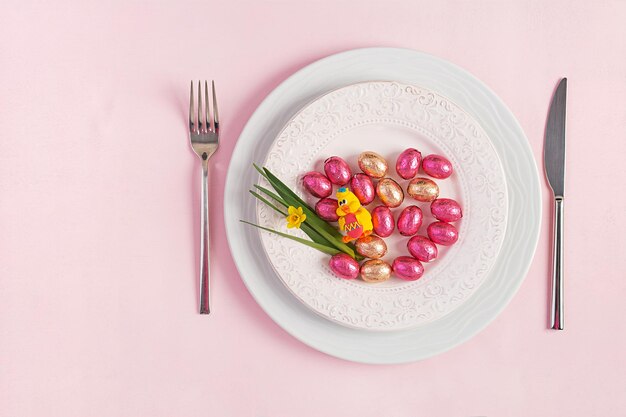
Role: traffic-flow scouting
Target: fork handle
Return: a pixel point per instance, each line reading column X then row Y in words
column 205, row 307
column 556, row 312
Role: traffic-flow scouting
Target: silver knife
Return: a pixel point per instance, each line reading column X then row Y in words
column 554, row 162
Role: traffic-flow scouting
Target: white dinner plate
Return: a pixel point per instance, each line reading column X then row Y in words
column 522, row 205
column 387, row 118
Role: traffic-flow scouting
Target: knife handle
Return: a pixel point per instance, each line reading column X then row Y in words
column 556, row 311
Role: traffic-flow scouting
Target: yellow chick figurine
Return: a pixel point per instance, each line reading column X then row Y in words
column 354, row 219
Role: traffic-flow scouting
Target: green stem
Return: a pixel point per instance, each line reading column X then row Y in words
column 271, row 194
column 312, row 233
column 263, row 199
column 288, row 197
column 319, row 247
column 322, row 227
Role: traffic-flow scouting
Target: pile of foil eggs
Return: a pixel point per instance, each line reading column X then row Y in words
column 373, row 182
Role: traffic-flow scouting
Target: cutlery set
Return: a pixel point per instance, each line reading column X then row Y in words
column 204, row 135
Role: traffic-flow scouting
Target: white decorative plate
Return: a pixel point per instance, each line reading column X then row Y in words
column 388, row 117
column 523, row 205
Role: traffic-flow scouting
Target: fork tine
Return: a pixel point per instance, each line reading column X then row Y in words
column 216, row 120
column 207, row 107
column 201, row 121
column 191, row 112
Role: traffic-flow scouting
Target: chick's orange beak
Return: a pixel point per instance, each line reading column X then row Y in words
column 345, row 208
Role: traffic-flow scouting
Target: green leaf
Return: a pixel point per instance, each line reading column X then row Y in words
column 275, row 181
column 263, row 174
column 313, row 234
column 263, row 199
column 331, row 235
column 326, row 230
column 319, row 247
column 293, row 199
column 271, row 194
column 316, row 237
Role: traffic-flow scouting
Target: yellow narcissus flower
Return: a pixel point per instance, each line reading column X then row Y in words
column 296, row 217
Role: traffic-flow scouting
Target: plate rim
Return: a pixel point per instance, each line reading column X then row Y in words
column 409, row 57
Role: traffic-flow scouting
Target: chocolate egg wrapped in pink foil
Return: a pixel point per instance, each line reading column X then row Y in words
column 407, row 268
column 408, row 163
column 337, row 170
column 442, row 233
column 437, row 166
column 422, row 248
column 371, row 247
column 383, row 222
column 389, row 192
column 373, row 164
column 375, row 270
column 317, row 184
column 446, row 210
column 344, row 266
column 363, row 187
column 326, row 209
column 410, row 220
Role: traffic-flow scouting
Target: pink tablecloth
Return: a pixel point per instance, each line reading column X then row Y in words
column 99, row 211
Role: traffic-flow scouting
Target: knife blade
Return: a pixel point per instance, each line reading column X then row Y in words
column 554, row 163
column 554, row 151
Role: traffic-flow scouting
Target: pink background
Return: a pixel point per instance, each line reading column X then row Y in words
column 99, row 214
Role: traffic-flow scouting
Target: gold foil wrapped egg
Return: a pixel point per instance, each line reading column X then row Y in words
column 423, row 189
column 371, row 247
column 389, row 192
column 375, row 270
column 373, row 164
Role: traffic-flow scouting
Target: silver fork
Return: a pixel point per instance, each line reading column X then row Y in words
column 204, row 134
